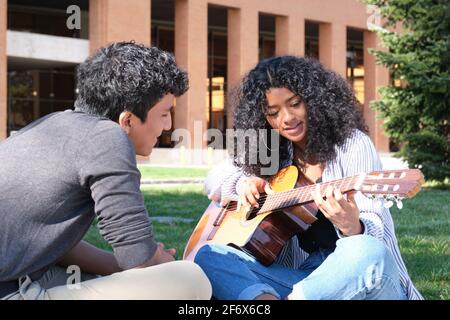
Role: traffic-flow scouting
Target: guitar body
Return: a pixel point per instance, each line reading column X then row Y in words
column 262, row 235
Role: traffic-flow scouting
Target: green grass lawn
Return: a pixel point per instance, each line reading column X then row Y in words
column 423, row 230
column 422, row 226
column 148, row 172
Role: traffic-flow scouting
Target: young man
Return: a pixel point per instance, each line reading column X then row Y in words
column 64, row 169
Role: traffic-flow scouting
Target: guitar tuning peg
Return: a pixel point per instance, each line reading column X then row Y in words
column 399, row 202
column 388, row 204
column 369, row 196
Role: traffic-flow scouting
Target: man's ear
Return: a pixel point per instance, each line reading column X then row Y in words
column 125, row 119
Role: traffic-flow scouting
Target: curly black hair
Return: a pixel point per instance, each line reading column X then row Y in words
column 330, row 103
column 126, row 76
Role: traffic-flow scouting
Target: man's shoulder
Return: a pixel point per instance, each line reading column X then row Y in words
column 105, row 138
column 109, row 132
column 82, row 119
column 94, row 127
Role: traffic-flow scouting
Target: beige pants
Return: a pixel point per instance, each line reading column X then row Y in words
column 178, row 280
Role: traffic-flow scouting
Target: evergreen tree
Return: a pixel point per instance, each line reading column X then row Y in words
column 415, row 106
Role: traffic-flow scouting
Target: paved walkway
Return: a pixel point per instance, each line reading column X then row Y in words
column 390, row 162
column 172, row 181
column 169, row 219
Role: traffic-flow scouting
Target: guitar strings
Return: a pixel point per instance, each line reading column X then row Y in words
column 280, row 196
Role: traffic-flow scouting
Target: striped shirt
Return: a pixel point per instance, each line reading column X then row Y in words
column 357, row 155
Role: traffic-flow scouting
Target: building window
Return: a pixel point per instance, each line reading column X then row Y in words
column 267, row 36
column 216, row 83
column 312, row 40
column 33, row 94
column 47, row 18
column 163, row 37
column 215, row 101
column 355, row 62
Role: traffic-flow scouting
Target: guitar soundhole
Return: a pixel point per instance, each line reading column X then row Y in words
column 254, row 211
column 252, row 214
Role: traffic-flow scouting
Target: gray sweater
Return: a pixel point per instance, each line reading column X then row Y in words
column 56, row 175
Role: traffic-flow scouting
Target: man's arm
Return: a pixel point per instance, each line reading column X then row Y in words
column 91, row 259
column 108, row 169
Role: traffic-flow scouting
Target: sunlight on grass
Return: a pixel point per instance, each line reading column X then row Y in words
column 445, row 185
column 423, row 231
column 149, row 172
column 186, row 201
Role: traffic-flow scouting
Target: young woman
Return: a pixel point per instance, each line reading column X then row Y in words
column 351, row 251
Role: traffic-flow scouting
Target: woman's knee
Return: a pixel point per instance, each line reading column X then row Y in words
column 363, row 248
column 214, row 251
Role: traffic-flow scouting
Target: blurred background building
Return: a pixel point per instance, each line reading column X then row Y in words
column 216, row 41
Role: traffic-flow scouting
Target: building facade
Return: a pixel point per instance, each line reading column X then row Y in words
column 216, row 41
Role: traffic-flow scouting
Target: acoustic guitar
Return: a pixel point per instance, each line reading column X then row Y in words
column 262, row 232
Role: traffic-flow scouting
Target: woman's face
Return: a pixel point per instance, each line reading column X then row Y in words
column 286, row 113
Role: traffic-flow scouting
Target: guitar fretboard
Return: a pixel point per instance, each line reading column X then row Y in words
column 302, row 195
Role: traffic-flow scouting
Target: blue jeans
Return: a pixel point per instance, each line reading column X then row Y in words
column 361, row 267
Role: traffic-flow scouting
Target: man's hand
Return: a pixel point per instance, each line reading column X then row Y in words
column 161, row 255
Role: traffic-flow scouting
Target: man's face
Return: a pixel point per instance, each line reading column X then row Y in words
column 145, row 134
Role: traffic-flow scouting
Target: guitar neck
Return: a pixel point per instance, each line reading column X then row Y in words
column 302, row 195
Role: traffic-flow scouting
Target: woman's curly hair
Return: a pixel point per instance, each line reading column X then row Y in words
column 330, row 103
column 127, row 76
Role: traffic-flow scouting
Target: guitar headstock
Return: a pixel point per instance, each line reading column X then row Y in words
column 392, row 185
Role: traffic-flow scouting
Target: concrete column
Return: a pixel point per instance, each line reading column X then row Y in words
column 191, row 49
column 243, row 34
column 375, row 76
column 290, row 35
column 118, row 20
column 3, row 70
column 333, row 46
